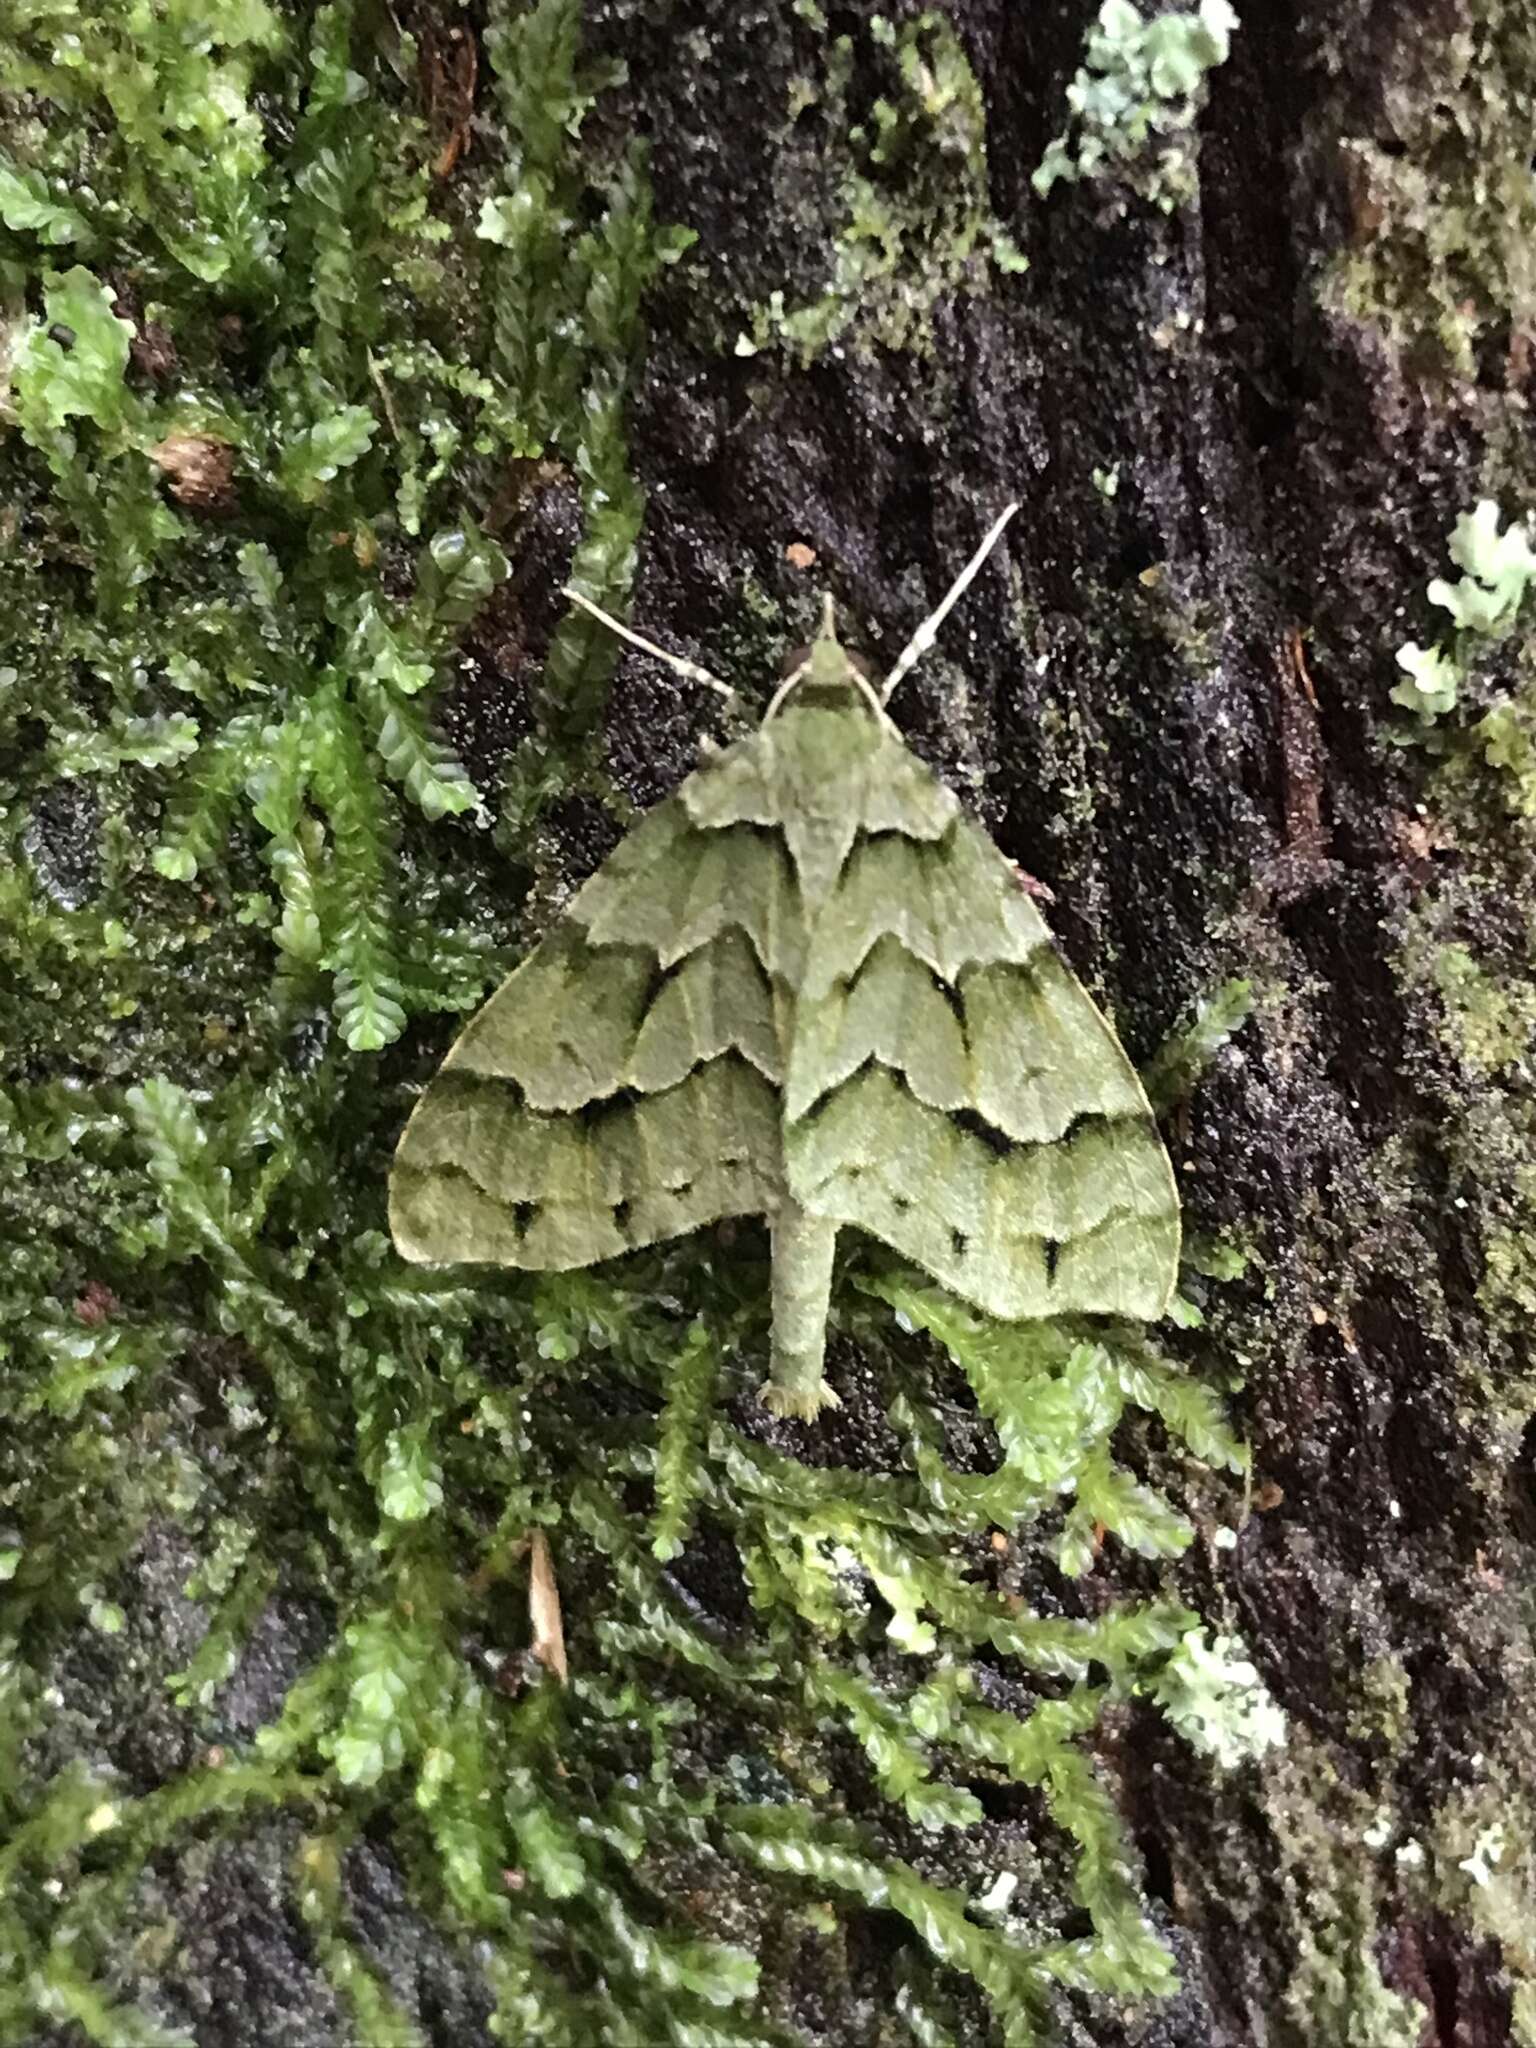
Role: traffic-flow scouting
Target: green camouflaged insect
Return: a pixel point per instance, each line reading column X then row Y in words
column 805, row 987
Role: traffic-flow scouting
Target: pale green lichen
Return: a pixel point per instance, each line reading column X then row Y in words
column 1484, row 605
column 1214, row 1696
column 1458, row 711
column 1135, row 99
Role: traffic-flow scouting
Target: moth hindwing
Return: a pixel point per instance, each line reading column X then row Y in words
column 805, row 987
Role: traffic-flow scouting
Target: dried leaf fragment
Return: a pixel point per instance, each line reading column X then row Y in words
column 545, row 1625
column 199, row 470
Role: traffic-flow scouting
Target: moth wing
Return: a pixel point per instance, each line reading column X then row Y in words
column 481, row 1178
column 621, row 1086
column 953, row 1089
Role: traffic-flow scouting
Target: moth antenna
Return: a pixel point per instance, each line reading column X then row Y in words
column 791, row 682
column 678, row 663
column 928, row 631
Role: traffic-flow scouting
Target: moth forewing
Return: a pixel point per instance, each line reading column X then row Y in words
column 986, row 1122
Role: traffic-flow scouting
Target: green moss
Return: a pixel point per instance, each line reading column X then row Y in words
column 1489, row 1010
column 1493, row 1018
column 1382, row 1716
column 1485, row 1864
column 1330, row 1840
column 1183, row 1057
column 1468, row 955
column 1338, row 1993
column 1444, row 211
column 918, row 224
column 565, row 319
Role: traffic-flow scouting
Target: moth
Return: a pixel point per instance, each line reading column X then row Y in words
column 807, row 987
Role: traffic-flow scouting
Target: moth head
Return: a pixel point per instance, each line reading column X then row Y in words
column 826, row 664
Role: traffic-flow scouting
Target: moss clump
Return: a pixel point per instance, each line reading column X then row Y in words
column 1467, row 955
column 1444, row 211
column 918, row 223
column 1482, row 983
column 1336, row 1843
column 1492, row 1018
column 1484, row 1869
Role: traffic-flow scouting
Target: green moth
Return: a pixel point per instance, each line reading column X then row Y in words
column 806, row 987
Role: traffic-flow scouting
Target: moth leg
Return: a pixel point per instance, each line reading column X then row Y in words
column 803, row 1246
column 678, row 663
column 928, row 631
